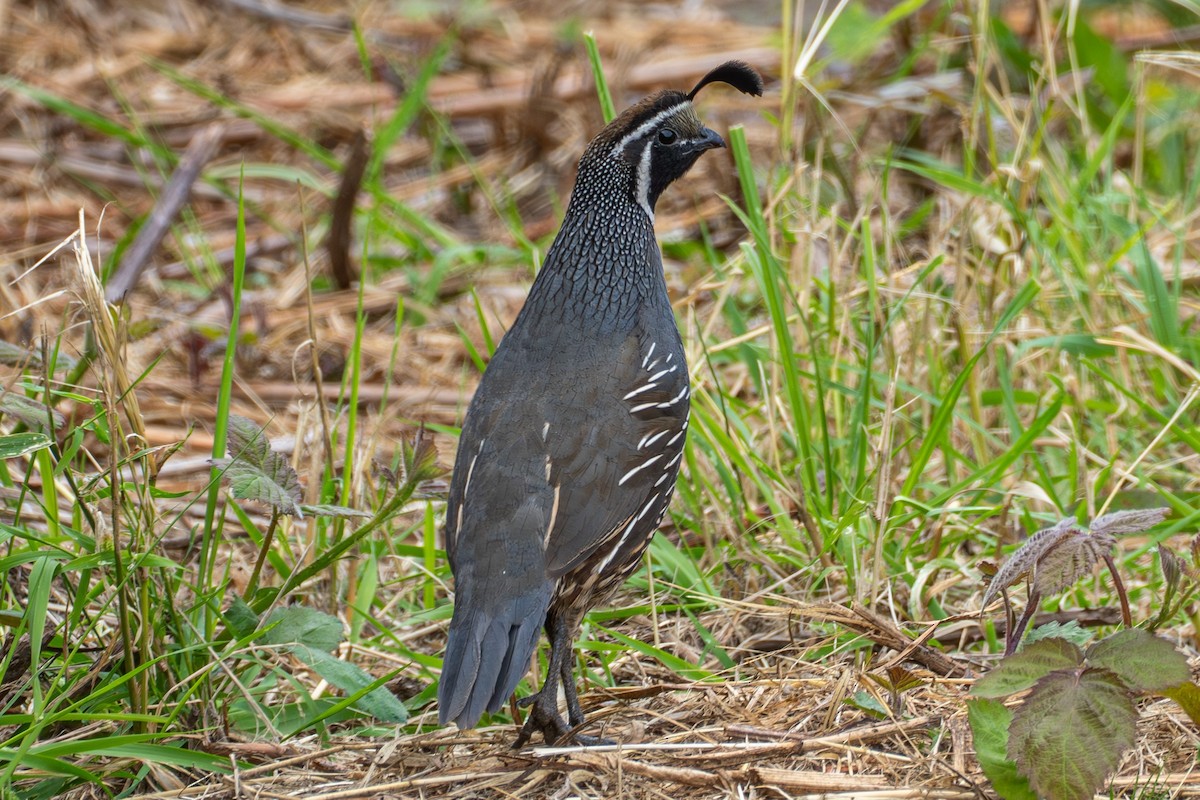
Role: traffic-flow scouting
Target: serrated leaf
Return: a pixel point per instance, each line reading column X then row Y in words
column 1069, row 734
column 1019, row 671
column 327, row 510
column 303, row 625
column 1027, row 555
column 247, row 440
column 1072, row 631
column 255, row 472
column 13, row 445
column 1145, row 662
column 350, row 678
column 420, row 459
column 1134, row 520
column 1187, row 695
column 1070, row 559
column 240, row 618
column 989, row 721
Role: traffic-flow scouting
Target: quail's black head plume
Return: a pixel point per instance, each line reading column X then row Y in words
column 571, row 445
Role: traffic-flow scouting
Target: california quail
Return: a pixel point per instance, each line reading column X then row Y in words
column 571, row 445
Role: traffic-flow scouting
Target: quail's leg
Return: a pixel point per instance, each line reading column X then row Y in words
column 574, row 711
column 543, row 705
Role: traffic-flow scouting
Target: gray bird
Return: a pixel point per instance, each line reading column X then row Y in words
column 571, row 445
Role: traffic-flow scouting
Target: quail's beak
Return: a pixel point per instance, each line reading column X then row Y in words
column 709, row 140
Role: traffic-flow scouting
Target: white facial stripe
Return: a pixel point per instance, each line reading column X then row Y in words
column 643, row 182
column 647, row 125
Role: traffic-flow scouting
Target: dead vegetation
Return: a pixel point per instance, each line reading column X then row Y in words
column 516, row 94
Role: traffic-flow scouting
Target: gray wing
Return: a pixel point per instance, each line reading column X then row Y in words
column 613, row 463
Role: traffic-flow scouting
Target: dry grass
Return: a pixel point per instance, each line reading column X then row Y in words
column 776, row 724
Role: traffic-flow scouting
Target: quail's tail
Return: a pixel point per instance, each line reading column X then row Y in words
column 488, row 653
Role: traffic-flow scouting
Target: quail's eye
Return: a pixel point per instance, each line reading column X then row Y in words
column 667, row 136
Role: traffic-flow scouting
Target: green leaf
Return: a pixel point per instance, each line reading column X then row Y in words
column 602, row 93
column 1107, row 62
column 13, row 445
column 990, row 720
column 866, row 703
column 1077, row 344
column 1143, row 661
column 255, row 472
column 847, row 38
column 683, row 669
column 305, row 626
column 1187, row 695
column 1072, row 631
column 31, row 412
column 1069, row 734
column 240, row 618
column 420, row 458
column 1019, row 671
column 379, row 702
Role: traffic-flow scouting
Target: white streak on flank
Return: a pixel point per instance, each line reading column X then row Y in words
column 662, row 372
column 547, row 468
column 471, row 467
column 649, row 505
column 649, row 353
column 647, row 126
column 654, row 498
column 545, row 431
column 674, row 460
column 650, row 439
column 661, row 478
column 643, row 182
column 643, row 407
column 616, row 548
column 682, row 394
column 669, row 357
column 675, row 438
column 645, row 387
column 638, row 469
column 553, row 517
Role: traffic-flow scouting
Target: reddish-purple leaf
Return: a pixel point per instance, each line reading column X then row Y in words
column 1027, row 556
column 1070, row 559
column 1135, row 520
column 1069, row 734
column 1145, row 662
column 1022, row 670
